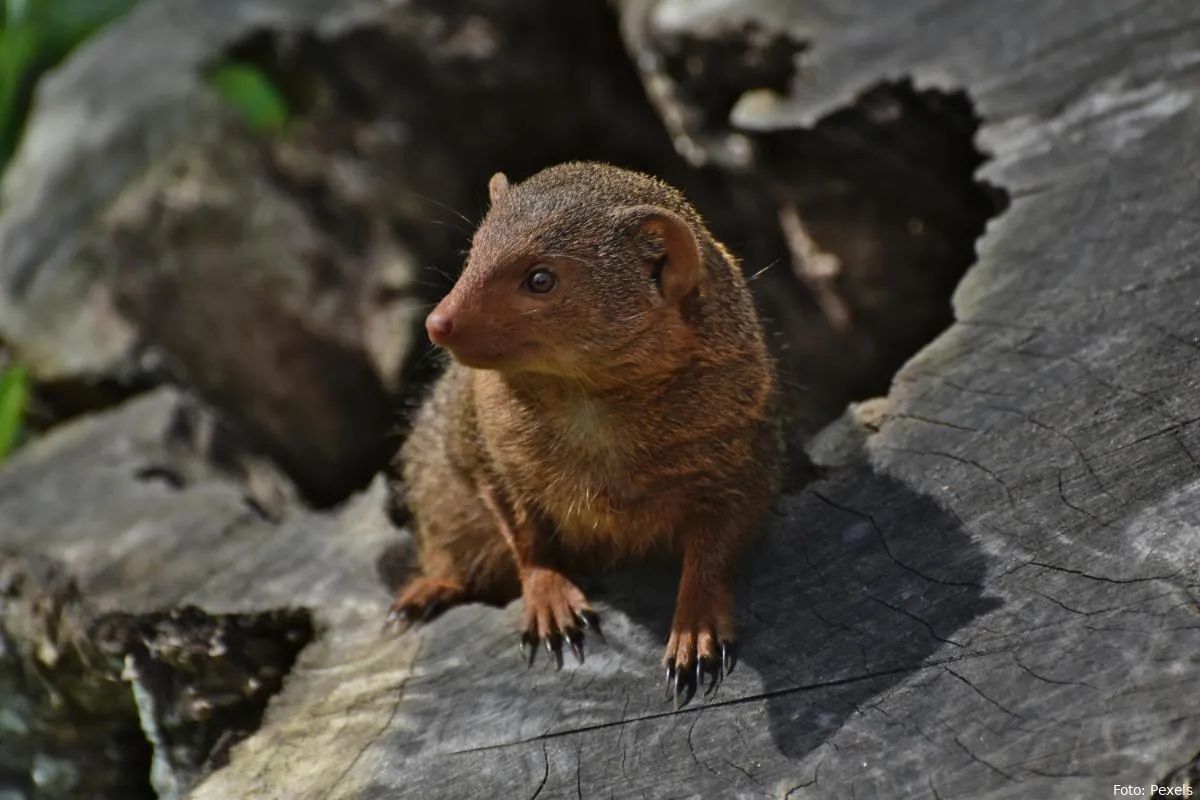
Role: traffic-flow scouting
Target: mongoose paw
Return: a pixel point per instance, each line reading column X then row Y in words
column 701, row 645
column 421, row 600
column 555, row 610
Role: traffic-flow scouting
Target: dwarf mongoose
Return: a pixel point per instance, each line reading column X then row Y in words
column 610, row 396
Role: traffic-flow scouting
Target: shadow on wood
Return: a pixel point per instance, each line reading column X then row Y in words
column 857, row 584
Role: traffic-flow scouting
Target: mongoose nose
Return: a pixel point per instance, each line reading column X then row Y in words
column 440, row 326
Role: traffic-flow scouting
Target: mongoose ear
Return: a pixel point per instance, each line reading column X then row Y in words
column 497, row 186
column 666, row 240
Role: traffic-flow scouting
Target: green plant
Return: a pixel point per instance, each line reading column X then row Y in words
column 247, row 89
column 35, row 35
column 14, row 395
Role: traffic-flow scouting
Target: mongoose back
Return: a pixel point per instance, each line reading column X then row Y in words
column 610, row 395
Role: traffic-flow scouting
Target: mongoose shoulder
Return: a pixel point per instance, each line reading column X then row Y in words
column 609, row 395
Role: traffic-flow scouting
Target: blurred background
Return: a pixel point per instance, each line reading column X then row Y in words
column 259, row 201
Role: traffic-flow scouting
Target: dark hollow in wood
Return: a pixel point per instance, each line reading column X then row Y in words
column 129, row 705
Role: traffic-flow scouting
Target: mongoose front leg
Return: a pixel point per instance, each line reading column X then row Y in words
column 554, row 608
column 702, row 640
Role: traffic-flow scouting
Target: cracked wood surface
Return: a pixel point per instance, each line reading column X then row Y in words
column 998, row 601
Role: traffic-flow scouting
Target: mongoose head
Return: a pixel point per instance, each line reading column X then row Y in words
column 581, row 270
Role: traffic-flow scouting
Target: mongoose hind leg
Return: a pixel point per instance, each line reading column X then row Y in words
column 460, row 551
column 459, row 563
column 424, row 598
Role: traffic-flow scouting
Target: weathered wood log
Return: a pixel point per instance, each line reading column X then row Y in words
column 1000, row 601
column 97, row 550
column 994, row 595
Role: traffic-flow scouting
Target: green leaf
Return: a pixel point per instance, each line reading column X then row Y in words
column 36, row 35
column 14, row 394
column 249, row 91
column 14, row 10
column 20, row 46
column 66, row 22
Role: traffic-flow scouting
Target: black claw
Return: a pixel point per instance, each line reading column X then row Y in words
column 591, row 621
column 392, row 618
column 670, row 678
column 398, row 618
column 575, row 639
column 729, row 656
column 712, row 667
column 431, row 610
column 554, row 648
column 681, row 686
column 528, row 648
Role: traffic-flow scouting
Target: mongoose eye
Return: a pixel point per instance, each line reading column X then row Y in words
column 541, row 281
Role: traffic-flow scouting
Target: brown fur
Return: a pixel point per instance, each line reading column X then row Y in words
column 613, row 417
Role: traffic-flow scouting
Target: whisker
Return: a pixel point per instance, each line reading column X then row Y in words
column 454, row 226
column 432, row 352
column 430, row 284
column 443, row 205
column 439, row 271
column 756, row 275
